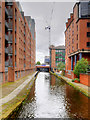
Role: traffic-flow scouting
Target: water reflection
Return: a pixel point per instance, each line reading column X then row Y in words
column 53, row 98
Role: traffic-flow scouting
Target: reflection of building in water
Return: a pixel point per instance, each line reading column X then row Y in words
column 32, row 92
column 53, row 80
column 75, row 102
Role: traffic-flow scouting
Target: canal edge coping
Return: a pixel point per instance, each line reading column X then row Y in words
column 71, row 84
column 7, row 115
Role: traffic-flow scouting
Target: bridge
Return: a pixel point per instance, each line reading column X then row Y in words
column 43, row 68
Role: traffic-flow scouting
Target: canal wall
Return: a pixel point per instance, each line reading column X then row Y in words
column 10, row 109
column 78, row 86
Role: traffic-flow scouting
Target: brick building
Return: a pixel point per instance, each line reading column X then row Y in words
column 57, row 54
column 77, row 36
column 17, row 42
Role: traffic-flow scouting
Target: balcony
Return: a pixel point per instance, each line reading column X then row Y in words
column 10, row 39
column 6, row 64
column 15, row 29
column 6, row 37
column 6, row 11
column 24, row 41
column 15, row 40
column 6, row 69
column 10, row 64
column 6, row 24
column 9, row 3
column 10, row 13
column 10, row 51
column 15, row 52
column 24, row 33
column 10, row 24
column 6, row 50
column 15, row 18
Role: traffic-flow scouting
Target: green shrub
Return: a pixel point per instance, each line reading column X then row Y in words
column 61, row 66
column 81, row 67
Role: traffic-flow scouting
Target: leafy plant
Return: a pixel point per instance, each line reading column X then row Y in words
column 38, row 63
column 61, row 66
column 76, row 79
column 81, row 67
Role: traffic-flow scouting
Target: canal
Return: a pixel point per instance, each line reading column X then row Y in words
column 51, row 97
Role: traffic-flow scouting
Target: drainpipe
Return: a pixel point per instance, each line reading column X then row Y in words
column 80, row 56
column 71, row 63
column 75, row 60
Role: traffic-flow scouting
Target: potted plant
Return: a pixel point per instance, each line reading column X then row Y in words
column 76, row 80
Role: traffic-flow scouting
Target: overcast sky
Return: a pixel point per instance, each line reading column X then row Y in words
column 41, row 12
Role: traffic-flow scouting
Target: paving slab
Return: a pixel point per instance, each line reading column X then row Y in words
column 15, row 92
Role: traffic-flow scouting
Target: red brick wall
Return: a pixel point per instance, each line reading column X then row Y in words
column 71, row 76
column 85, row 79
column 53, row 58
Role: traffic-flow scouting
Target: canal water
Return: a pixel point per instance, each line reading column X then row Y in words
column 51, row 97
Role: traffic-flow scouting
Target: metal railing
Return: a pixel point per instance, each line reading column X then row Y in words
column 6, row 50
column 10, row 24
column 10, row 64
column 6, row 24
column 10, row 38
column 6, row 37
column 9, row 3
column 6, row 10
column 10, row 51
column 6, row 63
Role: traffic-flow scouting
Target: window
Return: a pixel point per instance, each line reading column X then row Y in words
column 0, row 58
column 69, row 50
column 69, row 43
column 0, row 42
column 72, row 48
column 77, row 37
column 0, row 10
column 77, row 45
column 77, row 27
column 72, row 40
column 88, row 34
column 88, row 44
column 72, row 33
column 0, row 26
column 88, row 24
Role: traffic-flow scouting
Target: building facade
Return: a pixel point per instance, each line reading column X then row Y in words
column 77, row 36
column 47, row 60
column 17, row 42
column 57, row 55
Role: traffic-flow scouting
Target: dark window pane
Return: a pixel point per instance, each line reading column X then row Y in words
column 88, row 24
column 88, row 34
column 88, row 44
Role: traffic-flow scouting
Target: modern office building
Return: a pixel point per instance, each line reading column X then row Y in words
column 57, row 55
column 17, row 42
column 77, row 36
column 47, row 60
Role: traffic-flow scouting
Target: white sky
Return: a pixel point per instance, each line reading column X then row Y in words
column 41, row 12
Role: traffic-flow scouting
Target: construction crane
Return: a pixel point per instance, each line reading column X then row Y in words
column 49, row 26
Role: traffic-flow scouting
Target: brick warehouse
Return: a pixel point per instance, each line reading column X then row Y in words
column 17, row 42
column 57, row 54
column 77, row 36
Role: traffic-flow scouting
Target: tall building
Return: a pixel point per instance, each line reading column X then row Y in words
column 77, row 35
column 57, row 55
column 47, row 60
column 17, row 42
